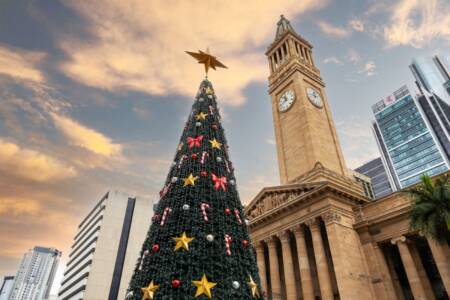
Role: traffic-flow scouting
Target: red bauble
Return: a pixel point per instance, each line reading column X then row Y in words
column 227, row 211
column 155, row 248
column 204, row 173
column 245, row 243
column 194, row 155
column 176, row 283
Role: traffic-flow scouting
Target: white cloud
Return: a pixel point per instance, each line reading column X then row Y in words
column 368, row 69
column 21, row 64
column 139, row 45
column 333, row 60
column 333, row 31
column 416, row 23
column 357, row 24
column 353, row 56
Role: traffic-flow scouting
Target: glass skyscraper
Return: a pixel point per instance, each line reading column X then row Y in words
column 432, row 75
column 407, row 140
column 375, row 170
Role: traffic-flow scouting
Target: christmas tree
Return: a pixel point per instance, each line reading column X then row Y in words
column 198, row 246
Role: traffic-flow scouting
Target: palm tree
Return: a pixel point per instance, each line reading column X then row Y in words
column 430, row 208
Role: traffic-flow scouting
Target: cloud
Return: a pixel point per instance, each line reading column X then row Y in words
column 333, row 60
column 368, row 69
column 30, row 164
column 416, row 23
column 333, row 31
column 138, row 46
column 353, row 56
column 21, row 64
column 87, row 138
column 357, row 24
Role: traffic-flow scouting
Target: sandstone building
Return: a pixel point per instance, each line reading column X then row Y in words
column 316, row 235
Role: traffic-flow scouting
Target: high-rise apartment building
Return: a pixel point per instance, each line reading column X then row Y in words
column 375, row 170
column 6, row 287
column 432, row 75
column 35, row 276
column 106, row 247
column 407, row 140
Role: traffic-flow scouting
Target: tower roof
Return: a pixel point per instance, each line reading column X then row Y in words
column 283, row 25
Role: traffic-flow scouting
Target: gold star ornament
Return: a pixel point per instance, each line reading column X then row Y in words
column 201, row 116
column 204, row 287
column 206, row 59
column 209, row 91
column 190, row 180
column 253, row 287
column 148, row 293
column 215, row 143
column 182, row 242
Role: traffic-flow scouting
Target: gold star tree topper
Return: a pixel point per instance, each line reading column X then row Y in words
column 204, row 287
column 182, row 242
column 148, row 293
column 206, row 59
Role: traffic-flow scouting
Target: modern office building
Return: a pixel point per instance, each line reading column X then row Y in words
column 406, row 139
column 380, row 183
column 6, row 287
column 432, row 75
column 106, row 247
column 365, row 182
column 35, row 276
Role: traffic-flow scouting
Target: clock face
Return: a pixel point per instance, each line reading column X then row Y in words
column 286, row 100
column 314, row 97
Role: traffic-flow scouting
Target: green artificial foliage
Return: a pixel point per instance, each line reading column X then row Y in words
column 174, row 271
column 430, row 209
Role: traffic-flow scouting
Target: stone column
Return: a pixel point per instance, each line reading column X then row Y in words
column 289, row 275
column 410, row 268
column 384, row 271
column 275, row 282
column 323, row 270
column 303, row 261
column 259, row 247
column 442, row 264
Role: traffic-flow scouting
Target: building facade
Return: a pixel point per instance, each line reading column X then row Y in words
column 34, row 278
column 375, row 170
column 106, row 248
column 407, row 140
column 317, row 236
column 6, row 287
column 432, row 76
column 366, row 183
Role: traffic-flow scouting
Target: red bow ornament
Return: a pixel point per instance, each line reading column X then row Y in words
column 219, row 182
column 194, row 142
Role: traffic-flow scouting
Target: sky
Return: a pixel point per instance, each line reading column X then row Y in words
column 94, row 94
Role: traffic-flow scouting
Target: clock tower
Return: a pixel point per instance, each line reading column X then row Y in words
column 304, row 129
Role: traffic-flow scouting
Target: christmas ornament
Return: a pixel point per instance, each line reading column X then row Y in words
column 182, row 158
column 209, row 91
column 190, row 180
column 194, row 141
column 214, row 126
column 148, row 293
column 201, row 99
column 253, row 287
column 228, row 241
column 180, row 146
column 203, row 208
column 176, row 283
column 211, row 109
column 227, row 211
column 238, row 217
column 210, row 238
column 246, row 221
column 206, row 59
column 236, row 285
column 204, row 155
column 156, row 218
column 210, row 96
column 129, row 295
column 245, row 243
column 204, row 173
column 155, row 248
column 164, row 191
column 204, row 287
column 232, row 182
column 219, row 159
column 201, row 116
column 167, row 211
column 219, row 182
column 194, row 155
column 146, row 252
column 182, row 242
column 186, row 207
column 174, row 179
column 198, row 124
column 215, row 143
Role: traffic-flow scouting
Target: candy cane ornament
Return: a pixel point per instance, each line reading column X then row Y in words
column 180, row 162
column 166, row 213
column 228, row 241
column 226, row 164
column 142, row 259
column 238, row 217
column 211, row 109
column 203, row 208
column 204, row 155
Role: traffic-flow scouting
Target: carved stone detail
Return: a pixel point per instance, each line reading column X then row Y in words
column 331, row 217
column 312, row 223
column 401, row 239
column 284, row 236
